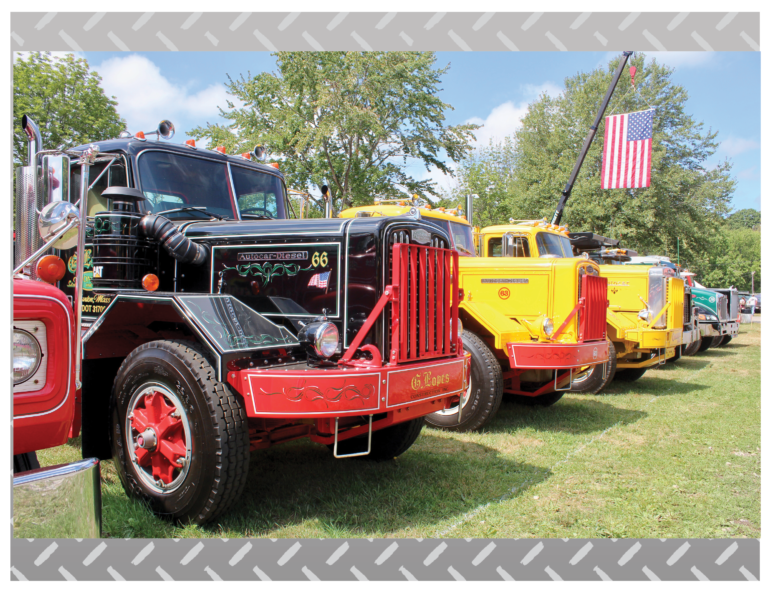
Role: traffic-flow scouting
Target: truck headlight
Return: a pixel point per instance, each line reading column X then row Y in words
column 643, row 314
column 460, row 326
column 547, row 326
column 323, row 337
column 26, row 356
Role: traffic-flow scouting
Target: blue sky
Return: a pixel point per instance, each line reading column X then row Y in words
column 483, row 87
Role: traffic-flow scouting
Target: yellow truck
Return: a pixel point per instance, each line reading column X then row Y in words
column 535, row 328
column 648, row 305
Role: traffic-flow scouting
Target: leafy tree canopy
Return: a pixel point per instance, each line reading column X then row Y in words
column 686, row 199
column 351, row 120
column 747, row 218
column 64, row 99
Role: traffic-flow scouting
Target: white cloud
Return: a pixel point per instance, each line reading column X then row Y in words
column 503, row 120
column 533, row 92
column 145, row 96
column 732, row 146
column 753, row 173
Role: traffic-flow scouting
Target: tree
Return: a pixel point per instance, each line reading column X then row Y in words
column 734, row 255
column 351, row 120
column 64, row 99
column 747, row 218
column 685, row 200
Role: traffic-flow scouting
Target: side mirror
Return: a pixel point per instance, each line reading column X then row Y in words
column 53, row 218
column 259, row 152
column 54, row 175
column 166, row 130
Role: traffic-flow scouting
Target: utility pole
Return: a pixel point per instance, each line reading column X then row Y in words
column 753, row 282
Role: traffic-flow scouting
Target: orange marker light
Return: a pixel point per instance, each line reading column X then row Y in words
column 222, row 149
column 246, row 156
column 190, row 142
column 150, row 282
column 51, row 269
column 140, row 136
column 275, row 165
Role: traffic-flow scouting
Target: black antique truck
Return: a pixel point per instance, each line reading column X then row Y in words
column 213, row 324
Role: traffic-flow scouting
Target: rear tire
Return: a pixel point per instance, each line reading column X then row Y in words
column 726, row 340
column 484, row 393
column 185, row 448
column 386, row 443
column 706, row 342
column 630, row 375
column 593, row 382
column 692, row 348
column 24, row 462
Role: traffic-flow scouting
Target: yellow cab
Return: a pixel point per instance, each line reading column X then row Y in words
column 535, row 327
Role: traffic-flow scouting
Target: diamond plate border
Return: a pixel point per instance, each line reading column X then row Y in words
column 383, row 559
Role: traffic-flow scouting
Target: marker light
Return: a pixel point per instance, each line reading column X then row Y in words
column 51, row 269
column 191, row 142
column 221, row 149
column 150, row 282
column 140, row 136
column 246, row 156
column 275, row 165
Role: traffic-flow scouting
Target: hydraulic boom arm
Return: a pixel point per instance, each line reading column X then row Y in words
column 588, row 141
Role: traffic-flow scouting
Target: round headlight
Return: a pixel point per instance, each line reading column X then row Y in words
column 26, row 356
column 326, row 339
column 643, row 314
column 460, row 326
column 548, row 326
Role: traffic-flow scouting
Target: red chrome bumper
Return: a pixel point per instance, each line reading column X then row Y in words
column 533, row 355
column 312, row 393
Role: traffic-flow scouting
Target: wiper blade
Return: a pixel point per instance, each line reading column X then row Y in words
column 202, row 209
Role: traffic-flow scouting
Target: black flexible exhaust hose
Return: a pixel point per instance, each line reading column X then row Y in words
column 183, row 249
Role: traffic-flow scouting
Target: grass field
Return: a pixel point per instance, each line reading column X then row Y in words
column 675, row 454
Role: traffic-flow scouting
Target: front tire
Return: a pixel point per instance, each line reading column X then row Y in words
column 630, row 375
column 484, row 394
column 706, row 342
column 179, row 437
column 726, row 340
column 386, row 444
column 718, row 340
column 593, row 381
column 692, row 348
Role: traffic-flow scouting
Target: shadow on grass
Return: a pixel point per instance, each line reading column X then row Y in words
column 717, row 352
column 301, row 487
column 569, row 415
column 655, row 386
column 688, row 363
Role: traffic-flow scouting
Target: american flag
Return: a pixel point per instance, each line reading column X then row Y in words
column 320, row 280
column 627, row 150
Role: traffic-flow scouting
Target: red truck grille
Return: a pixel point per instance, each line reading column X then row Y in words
column 594, row 294
column 425, row 316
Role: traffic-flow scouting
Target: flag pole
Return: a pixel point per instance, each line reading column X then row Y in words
column 588, row 140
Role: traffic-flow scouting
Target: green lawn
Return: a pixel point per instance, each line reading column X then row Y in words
column 674, row 455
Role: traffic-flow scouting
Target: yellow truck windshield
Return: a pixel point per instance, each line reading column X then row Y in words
column 554, row 245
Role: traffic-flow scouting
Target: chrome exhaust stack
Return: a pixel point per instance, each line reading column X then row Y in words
column 29, row 199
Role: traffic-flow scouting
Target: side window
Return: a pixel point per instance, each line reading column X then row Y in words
column 517, row 247
column 100, row 180
column 494, row 247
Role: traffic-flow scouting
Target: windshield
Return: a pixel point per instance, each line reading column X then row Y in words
column 258, row 194
column 553, row 244
column 462, row 239
column 171, row 181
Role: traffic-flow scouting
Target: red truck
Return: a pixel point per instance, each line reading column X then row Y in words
column 213, row 324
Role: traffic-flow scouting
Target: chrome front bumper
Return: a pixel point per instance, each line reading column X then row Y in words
column 690, row 336
column 719, row 329
column 62, row 501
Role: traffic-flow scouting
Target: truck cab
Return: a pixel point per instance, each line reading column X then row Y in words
column 535, row 327
column 221, row 326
